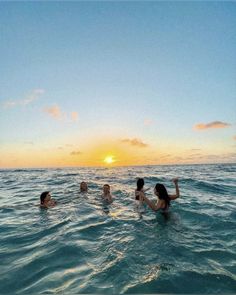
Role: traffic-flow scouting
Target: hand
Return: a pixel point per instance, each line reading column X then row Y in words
column 52, row 202
column 141, row 196
column 175, row 180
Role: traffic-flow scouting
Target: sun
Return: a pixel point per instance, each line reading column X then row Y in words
column 109, row 160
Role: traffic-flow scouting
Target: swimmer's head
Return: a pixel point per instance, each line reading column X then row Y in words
column 140, row 184
column 106, row 188
column 83, row 186
column 45, row 197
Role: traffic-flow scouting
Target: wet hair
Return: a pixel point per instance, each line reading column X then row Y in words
column 140, row 184
column 162, row 194
column 106, row 185
column 43, row 196
column 83, row 182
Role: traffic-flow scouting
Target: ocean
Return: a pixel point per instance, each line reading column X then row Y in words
column 86, row 246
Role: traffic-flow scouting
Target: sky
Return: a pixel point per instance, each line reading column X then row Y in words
column 117, row 83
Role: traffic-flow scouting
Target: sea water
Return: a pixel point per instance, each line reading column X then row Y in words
column 86, row 246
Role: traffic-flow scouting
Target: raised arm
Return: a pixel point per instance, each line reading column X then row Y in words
column 147, row 189
column 173, row 197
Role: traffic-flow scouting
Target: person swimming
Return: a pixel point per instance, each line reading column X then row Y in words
column 46, row 201
column 164, row 199
column 139, row 189
column 139, row 194
column 83, row 187
column 106, row 193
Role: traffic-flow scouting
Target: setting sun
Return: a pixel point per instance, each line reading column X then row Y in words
column 109, row 160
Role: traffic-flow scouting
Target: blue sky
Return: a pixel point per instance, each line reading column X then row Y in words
column 127, row 70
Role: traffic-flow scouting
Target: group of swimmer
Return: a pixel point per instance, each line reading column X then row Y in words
column 162, row 203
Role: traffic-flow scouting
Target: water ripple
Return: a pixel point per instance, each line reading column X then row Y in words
column 84, row 245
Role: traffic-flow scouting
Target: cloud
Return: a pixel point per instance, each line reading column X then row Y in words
column 165, row 156
column 178, row 158
column 76, row 153
column 196, row 155
column 32, row 96
column 74, row 116
column 211, row 125
column 212, row 158
column 54, row 112
column 227, row 156
column 134, row 142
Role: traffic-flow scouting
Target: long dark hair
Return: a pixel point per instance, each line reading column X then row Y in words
column 43, row 196
column 140, row 184
column 162, row 193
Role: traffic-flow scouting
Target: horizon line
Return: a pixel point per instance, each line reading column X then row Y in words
column 110, row 166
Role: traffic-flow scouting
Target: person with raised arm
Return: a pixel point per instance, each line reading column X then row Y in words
column 164, row 199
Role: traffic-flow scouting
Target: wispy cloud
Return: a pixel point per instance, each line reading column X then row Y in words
column 54, row 112
column 212, row 158
column 76, row 153
column 165, row 156
column 211, row 125
column 74, row 116
column 32, row 96
column 196, row 155
column 134, row 142
column 222, row 157
column 178, row 158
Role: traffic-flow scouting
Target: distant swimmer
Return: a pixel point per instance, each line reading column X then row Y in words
column 106, row 193
column 164, row 199
column 46, row 201
column 83, row 187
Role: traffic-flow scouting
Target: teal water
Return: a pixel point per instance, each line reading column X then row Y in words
column 85, row 246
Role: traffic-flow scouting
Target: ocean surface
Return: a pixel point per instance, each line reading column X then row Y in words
column 86, row 246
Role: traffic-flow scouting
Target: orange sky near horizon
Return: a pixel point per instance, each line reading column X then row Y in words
column 129, row 153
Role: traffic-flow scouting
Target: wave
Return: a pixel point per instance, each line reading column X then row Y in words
column 83, row 246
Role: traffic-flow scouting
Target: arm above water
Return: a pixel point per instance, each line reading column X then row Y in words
column 152, row 205
column 146, row 189
column 173, row 197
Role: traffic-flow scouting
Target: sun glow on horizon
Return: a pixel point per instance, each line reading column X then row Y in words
column 110, row 153
column 109, row 160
